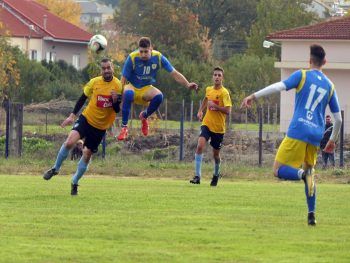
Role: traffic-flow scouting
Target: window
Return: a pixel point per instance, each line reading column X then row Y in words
column 50, row 56
column 33, row 55
column 76, row 61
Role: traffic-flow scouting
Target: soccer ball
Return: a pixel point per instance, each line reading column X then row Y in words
column 98, row 43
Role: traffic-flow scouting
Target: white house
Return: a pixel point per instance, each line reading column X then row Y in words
column 41, row 34
column 334, row 36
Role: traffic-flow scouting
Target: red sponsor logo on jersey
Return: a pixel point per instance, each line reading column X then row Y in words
column 104, row 101
column 217, row 103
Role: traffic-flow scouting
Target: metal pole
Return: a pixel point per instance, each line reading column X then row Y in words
column 260, row 135
column 191, row 115
column 182, row 131
column 7, row 107
column 104, row 147
column 341, row 152
column 166, row 114
column 46, row 122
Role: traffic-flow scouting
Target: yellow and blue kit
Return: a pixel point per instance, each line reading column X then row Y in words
column 142, row 73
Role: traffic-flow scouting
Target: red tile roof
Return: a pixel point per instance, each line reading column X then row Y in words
column 32, row 13
column 15, row 27
column 338, row 28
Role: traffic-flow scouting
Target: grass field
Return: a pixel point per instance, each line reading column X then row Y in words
column 168, row 220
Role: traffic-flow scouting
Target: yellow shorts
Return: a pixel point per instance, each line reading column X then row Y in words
column 295, row 153
column 139, row 92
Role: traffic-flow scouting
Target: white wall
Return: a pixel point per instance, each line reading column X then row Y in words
column 337, row 69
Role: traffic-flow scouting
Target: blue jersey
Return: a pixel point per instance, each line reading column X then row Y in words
column 142, row 73
column 314, row 91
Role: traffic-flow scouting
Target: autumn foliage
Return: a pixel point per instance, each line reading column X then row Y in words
column 65, row 9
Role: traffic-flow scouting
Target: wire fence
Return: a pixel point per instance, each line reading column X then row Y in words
column 242, row 143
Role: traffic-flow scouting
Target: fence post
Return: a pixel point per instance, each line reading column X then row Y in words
column 104, row 147
column 229, row 120
column 7, row 108
column 341, row 153
column 191, row 115
column 182, row 131
column 46, row 122
column 260, row 134
column 166, row 114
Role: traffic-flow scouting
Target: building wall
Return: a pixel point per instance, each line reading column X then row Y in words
column 295, row 55
column 58, row 50
column 66, row 51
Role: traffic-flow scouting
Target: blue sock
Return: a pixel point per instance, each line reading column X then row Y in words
column 61, row 156
column 311, row 201
column 82, row 167
column 127, row 101
column 198, row 163
column 289, row 173
column 217, row 168
column 153, row 106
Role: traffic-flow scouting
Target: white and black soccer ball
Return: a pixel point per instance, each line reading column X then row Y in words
column 98, row 43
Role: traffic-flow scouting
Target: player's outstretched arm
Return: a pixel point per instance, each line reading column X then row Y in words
column 70, row 119
column 183, row 81
column 247, row 101
column 273, row 88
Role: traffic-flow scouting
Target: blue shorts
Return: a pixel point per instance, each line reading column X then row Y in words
column 215, row 138
column 92, row 135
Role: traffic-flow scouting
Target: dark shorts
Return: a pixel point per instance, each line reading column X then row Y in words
column 215, row 138
column 92, row 135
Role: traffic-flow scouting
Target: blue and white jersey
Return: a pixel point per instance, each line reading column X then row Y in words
column 142, row 73
column 314, row 91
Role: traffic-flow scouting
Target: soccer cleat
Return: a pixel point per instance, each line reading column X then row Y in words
column 214, row 180
column 74, row 189
column 311, row 220
column 145, row 126
column 48, row 174
column 309, row 179
column 195, row 180
column 123, row 134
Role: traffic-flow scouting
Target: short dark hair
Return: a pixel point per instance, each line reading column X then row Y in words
column 219, row 69
column 328, row 116
column 317, row 54
column 145, row 42
column 105, row 60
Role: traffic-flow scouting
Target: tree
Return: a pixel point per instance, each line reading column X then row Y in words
column 275, row 15
column 228, row 22
column 173, row 29
column 65, row 9
column 9, row 72
column 246, row 74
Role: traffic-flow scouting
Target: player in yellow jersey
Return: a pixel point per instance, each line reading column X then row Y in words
column 104, row 93
column 218, row 103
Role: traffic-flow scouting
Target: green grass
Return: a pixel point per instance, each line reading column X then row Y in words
column 166, row 220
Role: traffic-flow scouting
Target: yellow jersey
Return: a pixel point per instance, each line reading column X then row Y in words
column 214, row 119
column 99, row 111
